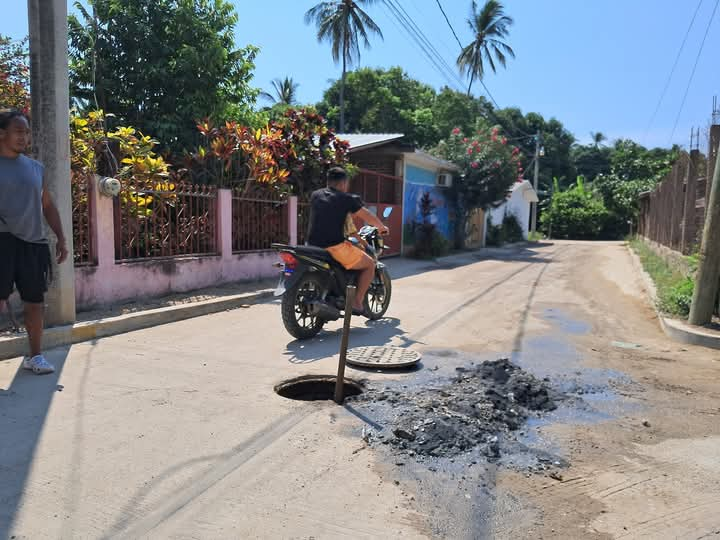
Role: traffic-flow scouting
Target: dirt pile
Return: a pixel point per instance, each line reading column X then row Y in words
column 471, row 410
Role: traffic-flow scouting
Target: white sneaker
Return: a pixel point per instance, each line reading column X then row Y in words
column 38, row 365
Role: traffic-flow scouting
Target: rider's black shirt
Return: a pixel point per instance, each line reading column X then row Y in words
column 329, row 208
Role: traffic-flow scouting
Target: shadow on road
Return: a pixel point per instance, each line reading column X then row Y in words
column 327, row 344
column 24, row 406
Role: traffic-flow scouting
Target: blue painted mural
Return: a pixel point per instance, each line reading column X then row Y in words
column 418, row 182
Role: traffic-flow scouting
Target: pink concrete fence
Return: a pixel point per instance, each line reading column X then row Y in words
column 111, row 279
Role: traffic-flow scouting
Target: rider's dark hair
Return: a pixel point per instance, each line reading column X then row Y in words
column 8, row 115
column 336, row 175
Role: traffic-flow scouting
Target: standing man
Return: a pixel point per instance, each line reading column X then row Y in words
column 330, row 209
column 24, row 253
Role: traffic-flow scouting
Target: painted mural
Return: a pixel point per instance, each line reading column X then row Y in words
column 418, row 183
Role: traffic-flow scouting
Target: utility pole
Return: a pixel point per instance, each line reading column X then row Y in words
column 533, row 217
column 50, row 102
column 708, row 276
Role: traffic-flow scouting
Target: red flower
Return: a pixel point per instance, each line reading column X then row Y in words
column 474, row 164
column 456, row 131
column 465, row 140
column 470, row 151
column 504, row 140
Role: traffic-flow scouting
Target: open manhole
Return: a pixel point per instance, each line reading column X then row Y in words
column 382, row 357
column 315, row 388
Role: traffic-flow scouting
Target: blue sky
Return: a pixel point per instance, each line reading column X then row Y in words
column 594, row 65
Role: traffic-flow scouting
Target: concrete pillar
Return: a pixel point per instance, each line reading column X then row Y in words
column 103, row 227
column 292, row 216
column 224, row 217
column 50, row 87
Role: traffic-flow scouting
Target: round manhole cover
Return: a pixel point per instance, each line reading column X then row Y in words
column 382, row 357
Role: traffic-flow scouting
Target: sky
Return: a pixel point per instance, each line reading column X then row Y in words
column 594, row 65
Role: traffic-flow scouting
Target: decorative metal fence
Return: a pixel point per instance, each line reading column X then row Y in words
column 163, row 219
column 82, row 221
column 259, row 220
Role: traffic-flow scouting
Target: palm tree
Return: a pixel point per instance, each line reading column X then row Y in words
column 489, row 26
column 343, row 23
column 284, row 92
column 598, row 138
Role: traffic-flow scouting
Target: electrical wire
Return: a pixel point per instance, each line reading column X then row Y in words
column 414, row 32
column 672, row 72
column 692, row 74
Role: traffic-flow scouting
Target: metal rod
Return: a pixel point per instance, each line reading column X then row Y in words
column 340, row 381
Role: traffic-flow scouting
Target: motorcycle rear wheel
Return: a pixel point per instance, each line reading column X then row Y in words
column 296, row 316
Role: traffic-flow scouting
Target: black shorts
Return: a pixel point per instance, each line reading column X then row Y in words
column 25, row 266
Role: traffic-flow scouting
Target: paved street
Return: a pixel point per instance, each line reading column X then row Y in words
column 175, row 431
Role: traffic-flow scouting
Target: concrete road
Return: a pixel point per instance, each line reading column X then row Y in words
column 176, row 432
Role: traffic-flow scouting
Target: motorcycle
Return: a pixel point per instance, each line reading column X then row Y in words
column 312, row 284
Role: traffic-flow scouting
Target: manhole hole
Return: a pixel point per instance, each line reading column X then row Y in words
column 382, row 357
column 315, row 388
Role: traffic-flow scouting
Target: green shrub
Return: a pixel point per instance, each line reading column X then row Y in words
column 575, row 214
column 674, row 290
column 508, row 232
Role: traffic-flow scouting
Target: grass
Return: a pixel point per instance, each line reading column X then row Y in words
column 674, row 290
column 535, row 236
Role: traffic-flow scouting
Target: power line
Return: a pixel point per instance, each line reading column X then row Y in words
column 692, row 74
column 426, row 46
column 672, row 71
column 448, row 22
column 487, row 90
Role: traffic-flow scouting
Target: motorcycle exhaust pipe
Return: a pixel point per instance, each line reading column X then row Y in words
column 324, row 310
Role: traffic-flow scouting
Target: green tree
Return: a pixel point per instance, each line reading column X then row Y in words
column 284, row 92
column 590, row 161
column 576, row 213
column 489, row 27
column 161, row 65
column 488, row 167
column 556, row 140
column 598, row 138
column 453, row 109
column 383, row 101
column 344, row 24
column 14, row 75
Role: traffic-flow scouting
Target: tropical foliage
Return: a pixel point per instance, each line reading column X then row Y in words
column 284, row 92
column 489, row 27
column 344, row 24
column 488, row 166
column 14, row 75
column 160, row 65
column 575, row 213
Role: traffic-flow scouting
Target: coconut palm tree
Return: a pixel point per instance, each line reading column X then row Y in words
column 598, row 138
column 490, row 27
column 284, row 92
column 344, row 24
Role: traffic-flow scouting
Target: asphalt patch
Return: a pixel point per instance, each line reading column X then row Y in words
column 470, row 411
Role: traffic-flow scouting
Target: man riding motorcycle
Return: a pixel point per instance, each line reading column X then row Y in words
column 329, row 210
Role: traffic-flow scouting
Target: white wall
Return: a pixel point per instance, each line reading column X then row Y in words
column 515, row 205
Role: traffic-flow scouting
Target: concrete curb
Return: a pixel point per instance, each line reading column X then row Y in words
column 674, row 329
column 14, row 346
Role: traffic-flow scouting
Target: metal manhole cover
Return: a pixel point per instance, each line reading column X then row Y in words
column 382, row 357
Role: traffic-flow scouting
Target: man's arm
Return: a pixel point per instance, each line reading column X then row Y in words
column 53, row 218
column 368, row 217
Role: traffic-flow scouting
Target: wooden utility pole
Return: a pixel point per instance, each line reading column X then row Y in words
column 708, row 276
column 50, row 102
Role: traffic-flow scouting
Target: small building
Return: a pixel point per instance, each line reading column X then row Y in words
column 393, row 173
column 517, row 204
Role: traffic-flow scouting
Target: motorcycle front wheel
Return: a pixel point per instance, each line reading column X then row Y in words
column 296, row 311
column 377, row 300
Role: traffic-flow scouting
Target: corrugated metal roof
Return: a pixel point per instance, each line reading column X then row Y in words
column 368, row 140
column 418, row 156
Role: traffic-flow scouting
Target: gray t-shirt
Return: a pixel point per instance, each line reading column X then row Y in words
column 21, row 186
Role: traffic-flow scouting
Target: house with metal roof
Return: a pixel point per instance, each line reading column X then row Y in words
column 394, row 173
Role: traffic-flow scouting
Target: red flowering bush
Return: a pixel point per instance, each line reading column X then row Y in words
column 488, row 165
column 14, row 76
